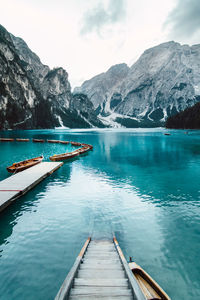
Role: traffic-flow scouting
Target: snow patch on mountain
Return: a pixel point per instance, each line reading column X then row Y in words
column 162, row 82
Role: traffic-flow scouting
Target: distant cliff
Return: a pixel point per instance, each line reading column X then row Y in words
column 164, row 80
column 187, row 119
column 33, row 96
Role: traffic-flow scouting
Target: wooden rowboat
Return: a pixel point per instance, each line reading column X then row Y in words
column 150, row 289
column 64, row 142
column 83, row 150
column 87, row 145
column 75, row 144
column 22, row 140
column 25, row 164
column 53, row 141
column 63, row 156
column 68, row 155
column 38, row 141
column 6, row 140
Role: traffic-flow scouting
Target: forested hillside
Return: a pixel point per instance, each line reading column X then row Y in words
column 187, row 119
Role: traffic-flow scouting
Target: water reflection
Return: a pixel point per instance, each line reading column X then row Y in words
column 140, row 184
column 29, row 202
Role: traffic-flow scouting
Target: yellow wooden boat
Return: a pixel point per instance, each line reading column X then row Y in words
column 75, row 144
column 53, row 141
column 25, row 164
column 87, row 145
column 148, row 286
column 38, row 140
column 64, row 156
column 64, row 142
column 22, row 140
column 6, row 140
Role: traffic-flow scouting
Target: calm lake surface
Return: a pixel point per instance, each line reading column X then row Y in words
column 138, row 183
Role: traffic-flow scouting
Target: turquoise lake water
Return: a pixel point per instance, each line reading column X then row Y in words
column 138, row 183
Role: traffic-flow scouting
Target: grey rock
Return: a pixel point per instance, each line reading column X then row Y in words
column 32, row 95
column 164, row 80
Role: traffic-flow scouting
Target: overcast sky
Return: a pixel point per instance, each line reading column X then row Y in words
column 86, row 37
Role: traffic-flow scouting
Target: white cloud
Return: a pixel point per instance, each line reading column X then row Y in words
column 184, row 21
column 52, row 30
column 101, row 15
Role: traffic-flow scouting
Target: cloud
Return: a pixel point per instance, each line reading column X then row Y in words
column 100, row 16
column 184, row 19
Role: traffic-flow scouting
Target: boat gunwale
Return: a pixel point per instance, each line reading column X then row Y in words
column 16, row 167
column 140, row 271
column 136, row 290
column 38, row 140
column 72, row 154
column 7, row 139
column 22, row 140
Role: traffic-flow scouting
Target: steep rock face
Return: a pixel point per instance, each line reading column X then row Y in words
column 99, row 88
column 164, row 81
column 32, row 95
column 85, row 110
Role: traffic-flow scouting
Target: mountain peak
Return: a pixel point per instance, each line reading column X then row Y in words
column 163, row 81
column 32, row 95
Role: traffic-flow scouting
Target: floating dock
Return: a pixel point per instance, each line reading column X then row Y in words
column 17, row 185
column 100, row 272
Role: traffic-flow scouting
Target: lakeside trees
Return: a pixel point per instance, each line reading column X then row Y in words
column 186, row 119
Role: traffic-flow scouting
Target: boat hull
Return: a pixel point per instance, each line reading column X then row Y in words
column 22, row 140
column 38, row 141
column 149, row 287
column 25, row 164
column 6, row 140
column 64, row 156
column 87, row 145
column 53, row 141
column 64, row 142
column 75, row 144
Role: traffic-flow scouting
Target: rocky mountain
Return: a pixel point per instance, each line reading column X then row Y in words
column 186, row 119
column 33, row 96
column 165, row 80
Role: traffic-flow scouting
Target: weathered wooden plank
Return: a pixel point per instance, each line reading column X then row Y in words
column 102, row 246
column 102, row 256
column 96, row 291
column 97, row 251
column 101, row 282
column 17, row 185
column 102, row 250
column 100, row 267
column 102, row 261
column 100, row 297
column 97, row 246
column 99, row 290
column 102, row 274
column 107, row 241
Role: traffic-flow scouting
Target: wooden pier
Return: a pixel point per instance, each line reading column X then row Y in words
column 17, row 185
column 100, row 272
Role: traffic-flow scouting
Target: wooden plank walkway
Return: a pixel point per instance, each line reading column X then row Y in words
column 17, row 185
column 99, row 273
